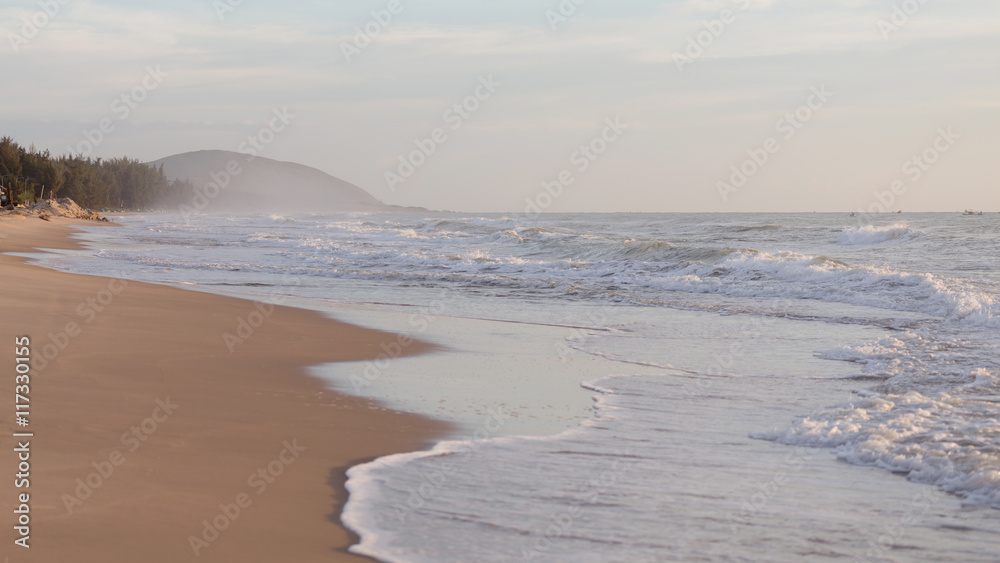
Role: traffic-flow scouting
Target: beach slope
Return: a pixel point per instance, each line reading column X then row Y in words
column 156, row 440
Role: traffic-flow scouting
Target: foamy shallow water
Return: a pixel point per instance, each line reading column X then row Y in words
column 666, row 470
column 772, row 377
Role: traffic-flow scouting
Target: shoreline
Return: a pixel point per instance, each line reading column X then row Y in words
column 135, row 449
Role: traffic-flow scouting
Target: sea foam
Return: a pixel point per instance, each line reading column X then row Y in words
column 871, row 234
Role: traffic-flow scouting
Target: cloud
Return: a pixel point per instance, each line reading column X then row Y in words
column 607, row 60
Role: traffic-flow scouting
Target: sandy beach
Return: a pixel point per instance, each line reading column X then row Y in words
column 691, row 281
column 156, row 439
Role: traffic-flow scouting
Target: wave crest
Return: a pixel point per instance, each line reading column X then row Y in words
column 871, row 234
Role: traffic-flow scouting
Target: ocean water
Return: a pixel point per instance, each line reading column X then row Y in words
column 644, row 387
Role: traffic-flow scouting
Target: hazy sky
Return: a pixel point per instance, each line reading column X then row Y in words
column 693, row 85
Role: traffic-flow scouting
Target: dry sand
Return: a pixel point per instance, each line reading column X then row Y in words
column 148, row 383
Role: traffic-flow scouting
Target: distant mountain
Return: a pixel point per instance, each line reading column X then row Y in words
column 263, row 184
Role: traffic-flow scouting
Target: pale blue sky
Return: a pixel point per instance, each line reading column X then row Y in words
column 687, row 129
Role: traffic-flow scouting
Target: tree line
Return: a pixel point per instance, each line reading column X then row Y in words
column 118, row 183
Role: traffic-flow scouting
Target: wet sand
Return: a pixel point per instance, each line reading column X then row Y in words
column 146, row 418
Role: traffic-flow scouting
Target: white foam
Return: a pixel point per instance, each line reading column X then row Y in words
column 367, row 512
column 871, row 234
column 930, row 412
column 792, row 275
column 942, row 440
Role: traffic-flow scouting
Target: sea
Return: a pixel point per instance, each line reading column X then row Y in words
column 641, row 387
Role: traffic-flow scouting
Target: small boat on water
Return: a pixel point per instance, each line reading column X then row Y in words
column 971, row 212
